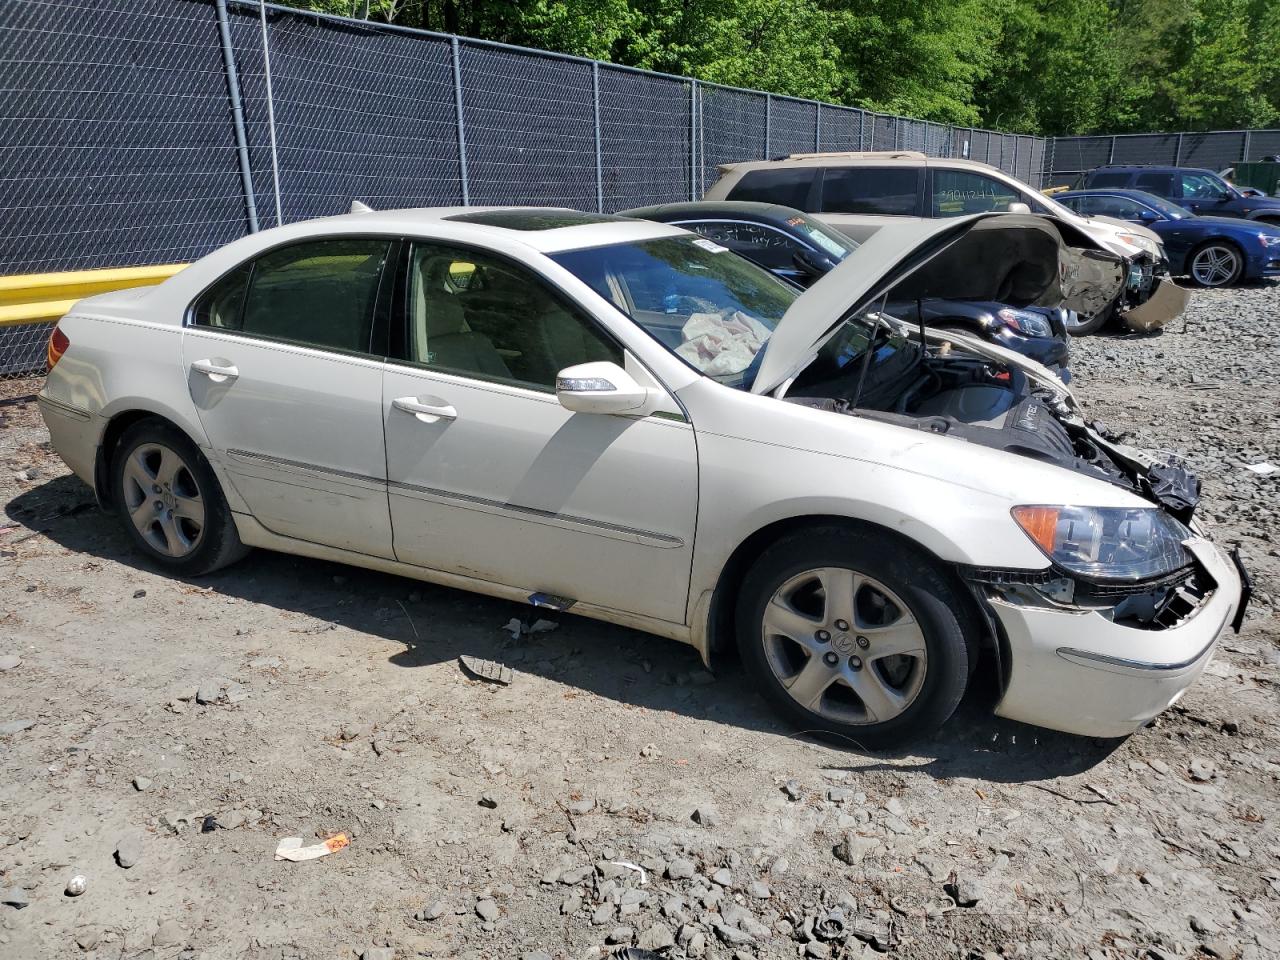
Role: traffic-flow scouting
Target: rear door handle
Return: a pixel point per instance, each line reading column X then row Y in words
column 216, row 370
column 424, row 411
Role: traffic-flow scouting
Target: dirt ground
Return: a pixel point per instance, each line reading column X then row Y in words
column 615, row 794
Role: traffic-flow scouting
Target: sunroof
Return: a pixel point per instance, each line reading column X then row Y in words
column 532, row 219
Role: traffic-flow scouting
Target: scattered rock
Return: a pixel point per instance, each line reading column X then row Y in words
column 487, row 910
column 657, row 937
column 681, row 869
column 128, row 851
column 965, row 891
column 76, row 886
column 10, row 727
column 580, row 807
column 852, row 848
column 1202, row 770
column 169, row 934
column 793, row 790
column 141, row 784
column 620, row 935
column 378, row 953
column 434, row 911
column 489, row 801
column 14, row 897
column 10, row 662
column 706, row 816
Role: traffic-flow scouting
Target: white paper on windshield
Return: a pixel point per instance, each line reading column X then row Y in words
column 709, row 245
column 722, row 345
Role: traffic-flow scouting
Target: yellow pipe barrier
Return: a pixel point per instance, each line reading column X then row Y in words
column 40, row 297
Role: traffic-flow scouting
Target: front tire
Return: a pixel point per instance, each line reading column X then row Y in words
column 1217, row 263
column 854, row 636
column 1084, row 327
column 170, row 501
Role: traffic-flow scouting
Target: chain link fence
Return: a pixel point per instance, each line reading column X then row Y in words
column 1068, row 157
column 142, row 132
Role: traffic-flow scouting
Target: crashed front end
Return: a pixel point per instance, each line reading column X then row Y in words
column 1128, row 613
column 1136, row 289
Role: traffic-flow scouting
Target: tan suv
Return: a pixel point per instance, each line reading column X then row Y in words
column 860, row 192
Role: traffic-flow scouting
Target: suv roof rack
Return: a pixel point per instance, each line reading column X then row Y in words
column 860, row 154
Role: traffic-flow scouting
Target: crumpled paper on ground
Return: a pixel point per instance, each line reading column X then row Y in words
column 291, row 848
column 722, row 345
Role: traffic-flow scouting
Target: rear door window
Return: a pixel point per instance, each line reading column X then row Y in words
column 960, row 192
column 880, row 191
column 1161, row 184
column 319, row 294
column 789, row 187
column 1109, row 179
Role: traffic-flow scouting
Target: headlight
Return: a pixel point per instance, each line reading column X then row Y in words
column 1142, row 243
column 1025, row 322
column 1270, row 239
column 1110, row 543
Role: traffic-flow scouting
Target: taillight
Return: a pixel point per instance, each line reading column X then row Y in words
column 58, row 344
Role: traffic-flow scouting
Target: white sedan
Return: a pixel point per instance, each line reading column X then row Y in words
column 625, row 420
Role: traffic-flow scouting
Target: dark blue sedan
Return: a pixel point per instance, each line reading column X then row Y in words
column 1212, row 251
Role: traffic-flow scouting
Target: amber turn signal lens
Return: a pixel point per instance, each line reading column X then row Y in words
column 1039, row 523
column 58, row 344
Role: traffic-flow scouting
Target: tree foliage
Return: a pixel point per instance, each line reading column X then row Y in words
column 1034, row 66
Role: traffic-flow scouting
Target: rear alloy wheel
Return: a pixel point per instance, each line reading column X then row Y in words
column 859, row 638
column 170, row 501
column 1216, row 264
column 1082, row 326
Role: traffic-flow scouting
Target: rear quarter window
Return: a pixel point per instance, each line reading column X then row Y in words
column 790, row 188
column 884, row 191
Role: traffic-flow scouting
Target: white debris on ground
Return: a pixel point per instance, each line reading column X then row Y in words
column 158, row 738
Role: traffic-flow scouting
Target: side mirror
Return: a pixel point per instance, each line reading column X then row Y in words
column 810, row 264
column 1018, row 208
column 600, row 387
column 1148, row 216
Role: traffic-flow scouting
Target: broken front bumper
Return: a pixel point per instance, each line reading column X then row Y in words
column 1166, row 302
column 1076, row 670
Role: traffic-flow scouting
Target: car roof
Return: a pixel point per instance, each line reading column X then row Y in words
column 896, row 158
column 711, row 208
column 545, row 229
column 1140, row 195
column 1148, row 168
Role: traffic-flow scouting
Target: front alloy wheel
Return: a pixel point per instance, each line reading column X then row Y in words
column 853, row 633
column 1216, row 265
column 844, row 646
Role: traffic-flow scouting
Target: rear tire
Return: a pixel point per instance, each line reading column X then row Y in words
column 854, row 636
column 169, row 499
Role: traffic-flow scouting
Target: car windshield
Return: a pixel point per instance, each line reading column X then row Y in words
column 713, row 310
column 836, row 245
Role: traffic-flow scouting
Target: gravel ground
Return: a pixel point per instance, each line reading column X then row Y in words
column 159, row 737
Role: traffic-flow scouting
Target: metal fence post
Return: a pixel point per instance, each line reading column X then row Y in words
column 271, row 110
column 1111, row 154
column 1248, row 138
column 462, row 126
column 237, row 115
column 768, row 119
column 817, row 130
column 897, row 126
column 1177, row 152
column 1015, row 154
column 595, row 100
column 693, row 140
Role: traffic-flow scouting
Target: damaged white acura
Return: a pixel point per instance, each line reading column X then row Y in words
column 622, row 419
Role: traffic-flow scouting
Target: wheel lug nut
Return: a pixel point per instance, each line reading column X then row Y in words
column 823, row 636
column 830, row 659
column 155, row 488
column 863, row 642
column 855, row 663
column 842, row 625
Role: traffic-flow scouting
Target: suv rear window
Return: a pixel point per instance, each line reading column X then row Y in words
column 787, row 187
column 1109, row 179
column 887, row 191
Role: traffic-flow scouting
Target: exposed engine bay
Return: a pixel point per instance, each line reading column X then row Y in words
column 891, row 377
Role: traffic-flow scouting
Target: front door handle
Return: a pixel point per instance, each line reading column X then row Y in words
column 424, row 411
column 216, row 370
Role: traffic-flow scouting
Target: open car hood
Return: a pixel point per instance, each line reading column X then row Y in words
column 1010, row 258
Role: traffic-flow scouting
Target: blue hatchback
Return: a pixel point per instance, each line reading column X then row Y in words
column 1212, row 251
